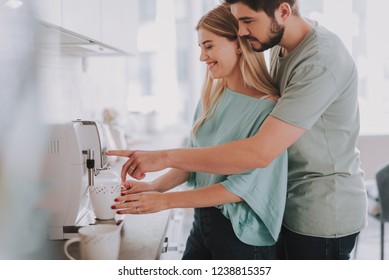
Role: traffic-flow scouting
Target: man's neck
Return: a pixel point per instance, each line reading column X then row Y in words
column 296, row 29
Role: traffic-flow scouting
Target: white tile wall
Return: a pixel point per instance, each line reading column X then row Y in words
column 73, row 87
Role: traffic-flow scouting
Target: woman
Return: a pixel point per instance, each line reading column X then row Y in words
column 237, row 96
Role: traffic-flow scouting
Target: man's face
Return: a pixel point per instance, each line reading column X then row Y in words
column 262, row 32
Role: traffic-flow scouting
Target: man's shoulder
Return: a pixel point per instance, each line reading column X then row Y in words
column 325, row 49
column 328, row 43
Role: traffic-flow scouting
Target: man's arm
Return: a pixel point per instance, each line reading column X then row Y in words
column 258, row 151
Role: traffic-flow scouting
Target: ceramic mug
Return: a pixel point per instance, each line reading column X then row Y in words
column 102, row 196
column 97, row 242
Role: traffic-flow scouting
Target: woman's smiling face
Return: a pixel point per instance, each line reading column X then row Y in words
column 219, row 53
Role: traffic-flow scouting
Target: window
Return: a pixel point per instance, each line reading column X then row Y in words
column 359, row 24
column 147, row 11
column 166, row 76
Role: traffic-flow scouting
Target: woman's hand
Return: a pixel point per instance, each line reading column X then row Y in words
column 141, row 203
column 140, row 162
column 131, row 187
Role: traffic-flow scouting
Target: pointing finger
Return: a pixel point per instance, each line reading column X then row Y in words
column 120, row 153
column 126, row 169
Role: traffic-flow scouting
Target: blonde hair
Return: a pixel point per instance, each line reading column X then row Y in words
column 252, row 64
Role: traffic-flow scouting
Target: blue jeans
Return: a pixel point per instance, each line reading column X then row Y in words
column 212, row 237
column 302, row 247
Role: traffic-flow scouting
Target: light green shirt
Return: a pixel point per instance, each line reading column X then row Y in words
column 256, row 221
column 319, row 92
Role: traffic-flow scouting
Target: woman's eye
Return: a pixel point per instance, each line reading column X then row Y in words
column 208, row 47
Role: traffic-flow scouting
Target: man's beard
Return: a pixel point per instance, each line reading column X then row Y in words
column 276, row 33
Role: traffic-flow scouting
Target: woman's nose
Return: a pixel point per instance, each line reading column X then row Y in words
column 203, row 56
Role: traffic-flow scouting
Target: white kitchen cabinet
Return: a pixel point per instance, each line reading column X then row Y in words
column 119, row 24
column 82, row 17
column 49, row 11
column 110, row 23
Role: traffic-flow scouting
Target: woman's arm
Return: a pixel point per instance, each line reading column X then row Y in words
column 150, row 202
column 171, row 179
column 258, row 151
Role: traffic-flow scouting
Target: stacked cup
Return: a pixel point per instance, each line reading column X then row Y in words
column 97, row 242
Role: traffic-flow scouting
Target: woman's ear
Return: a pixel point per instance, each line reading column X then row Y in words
column 238, row 50
column 282, row 13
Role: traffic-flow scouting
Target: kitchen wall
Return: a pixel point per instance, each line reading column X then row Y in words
column 374, row 153
column 73, row 87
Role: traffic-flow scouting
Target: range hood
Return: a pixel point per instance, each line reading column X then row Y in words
column 57, row 39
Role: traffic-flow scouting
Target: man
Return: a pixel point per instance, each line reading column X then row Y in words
column 316, row 119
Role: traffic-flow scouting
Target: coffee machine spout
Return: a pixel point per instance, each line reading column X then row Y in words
column 90, row 164
column 97, row 170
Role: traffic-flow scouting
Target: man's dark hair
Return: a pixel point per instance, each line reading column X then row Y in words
column 268, row 6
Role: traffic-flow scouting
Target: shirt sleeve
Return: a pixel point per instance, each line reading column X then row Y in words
column 192, row 175
column 309, row 93
column 264, row 190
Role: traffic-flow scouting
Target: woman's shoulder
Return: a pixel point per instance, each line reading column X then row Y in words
column 272, row 98
column 259, row 97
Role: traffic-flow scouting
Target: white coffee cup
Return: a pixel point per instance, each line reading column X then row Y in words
column 102, row 196
column 97, row 242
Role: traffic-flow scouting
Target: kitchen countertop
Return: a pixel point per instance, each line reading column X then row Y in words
column 142, row 238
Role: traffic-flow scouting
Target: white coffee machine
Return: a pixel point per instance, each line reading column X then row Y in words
column 69, row 148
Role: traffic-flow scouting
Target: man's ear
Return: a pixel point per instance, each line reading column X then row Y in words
column 282, row 13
